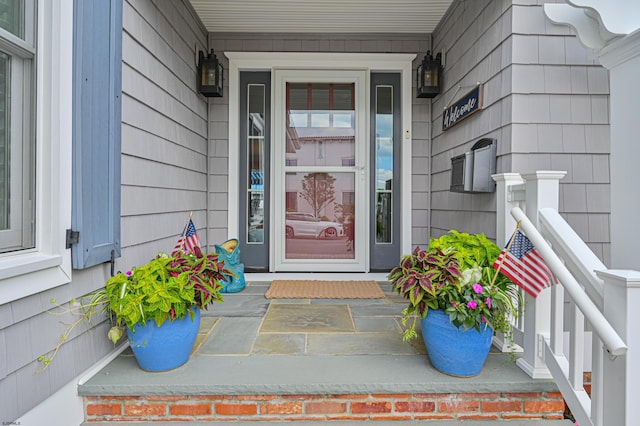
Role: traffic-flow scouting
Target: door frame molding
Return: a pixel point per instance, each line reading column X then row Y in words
column 260, row 61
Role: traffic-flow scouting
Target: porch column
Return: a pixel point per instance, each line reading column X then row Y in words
column 613, row 28
column 622, row 58
column 621, row 386
column 542, row 191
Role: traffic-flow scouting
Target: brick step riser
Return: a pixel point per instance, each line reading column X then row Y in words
column 462, row 406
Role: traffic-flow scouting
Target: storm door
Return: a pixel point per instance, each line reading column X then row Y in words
column 320, row 174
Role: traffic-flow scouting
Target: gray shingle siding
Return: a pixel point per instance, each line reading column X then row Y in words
column 546, row 102
column 29, row 328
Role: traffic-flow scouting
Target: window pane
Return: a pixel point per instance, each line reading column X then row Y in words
column 12, row 16
column 255, row 150
column 320, row 97
column 5, row 141
column 343, row 97
column 17, row 150
column 384, row 163
column 318, row 134
column 298, row 96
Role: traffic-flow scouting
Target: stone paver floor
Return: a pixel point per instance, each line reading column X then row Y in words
column 249, row 324
column 250, row 345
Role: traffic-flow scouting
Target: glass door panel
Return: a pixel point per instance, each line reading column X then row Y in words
column 254, row 174
column 323, row 175
column 383, row 159
column 256, row 148
column 320, row 133
column 316, row 226
column 384, row 250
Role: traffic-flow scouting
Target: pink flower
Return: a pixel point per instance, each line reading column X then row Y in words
column 477, row 288
column 488, row 302
column 128, row 273
column 472, row 304
column 453, row 304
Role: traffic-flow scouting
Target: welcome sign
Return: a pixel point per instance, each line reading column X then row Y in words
column 462, row 108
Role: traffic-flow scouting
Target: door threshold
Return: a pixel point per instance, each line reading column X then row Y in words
column 348, row 276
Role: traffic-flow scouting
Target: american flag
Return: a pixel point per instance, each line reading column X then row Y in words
column 522, row 263
column 189, row 240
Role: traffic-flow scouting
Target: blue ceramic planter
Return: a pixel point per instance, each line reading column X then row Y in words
column 165, row 347
column 453, row 350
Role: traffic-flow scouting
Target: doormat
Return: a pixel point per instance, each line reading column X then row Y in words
column 315, row 289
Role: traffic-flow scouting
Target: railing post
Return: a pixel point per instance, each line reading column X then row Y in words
column 542, row 191
column 621, row 386
column 505, row 223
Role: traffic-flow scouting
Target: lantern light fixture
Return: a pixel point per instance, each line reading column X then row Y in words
column 210, row 75
column 429, row 76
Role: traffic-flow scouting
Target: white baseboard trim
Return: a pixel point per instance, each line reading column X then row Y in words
column 65, row 407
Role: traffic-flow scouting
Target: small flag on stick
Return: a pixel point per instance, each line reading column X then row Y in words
column 188, row 240
column 522, row 263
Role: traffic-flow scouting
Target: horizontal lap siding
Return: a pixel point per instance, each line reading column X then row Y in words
column 164, row 176
column 164, row 128
column 546, row 102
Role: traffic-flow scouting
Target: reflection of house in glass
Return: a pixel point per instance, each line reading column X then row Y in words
column 256, row 154
column 320, row 138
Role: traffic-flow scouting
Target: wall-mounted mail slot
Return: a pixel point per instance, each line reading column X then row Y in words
column 471, row 171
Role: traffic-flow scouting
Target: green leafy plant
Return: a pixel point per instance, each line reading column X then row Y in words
column 166, row 288
column 85, row 309
column 456, row 275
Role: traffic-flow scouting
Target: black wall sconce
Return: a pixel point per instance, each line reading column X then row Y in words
column 210, row 75
column 429, row 76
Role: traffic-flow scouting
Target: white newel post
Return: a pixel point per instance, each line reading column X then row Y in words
column 542, row 191
column 505, row 223
column 621, row 384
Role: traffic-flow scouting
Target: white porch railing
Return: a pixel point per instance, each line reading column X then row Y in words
column 604, row 298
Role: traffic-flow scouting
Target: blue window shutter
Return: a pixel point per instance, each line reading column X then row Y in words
column 97, row 99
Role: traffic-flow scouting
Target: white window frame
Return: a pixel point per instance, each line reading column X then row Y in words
column 21, row 50
column 48, row 265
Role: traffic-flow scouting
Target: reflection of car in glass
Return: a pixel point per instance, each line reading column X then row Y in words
column 256, row 232
column 307, row 225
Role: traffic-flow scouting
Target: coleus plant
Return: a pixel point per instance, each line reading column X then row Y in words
column 455, row 275
column 166, row 288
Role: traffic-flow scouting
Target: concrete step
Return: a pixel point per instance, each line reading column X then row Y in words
column 249, row 368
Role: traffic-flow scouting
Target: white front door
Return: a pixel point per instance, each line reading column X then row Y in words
column 320, row 174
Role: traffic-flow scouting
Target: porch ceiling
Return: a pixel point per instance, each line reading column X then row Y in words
column 321, row 16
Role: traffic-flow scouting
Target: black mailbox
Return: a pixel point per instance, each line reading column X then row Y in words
column 471, row 171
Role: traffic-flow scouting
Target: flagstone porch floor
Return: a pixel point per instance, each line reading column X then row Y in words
column 250, row 345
